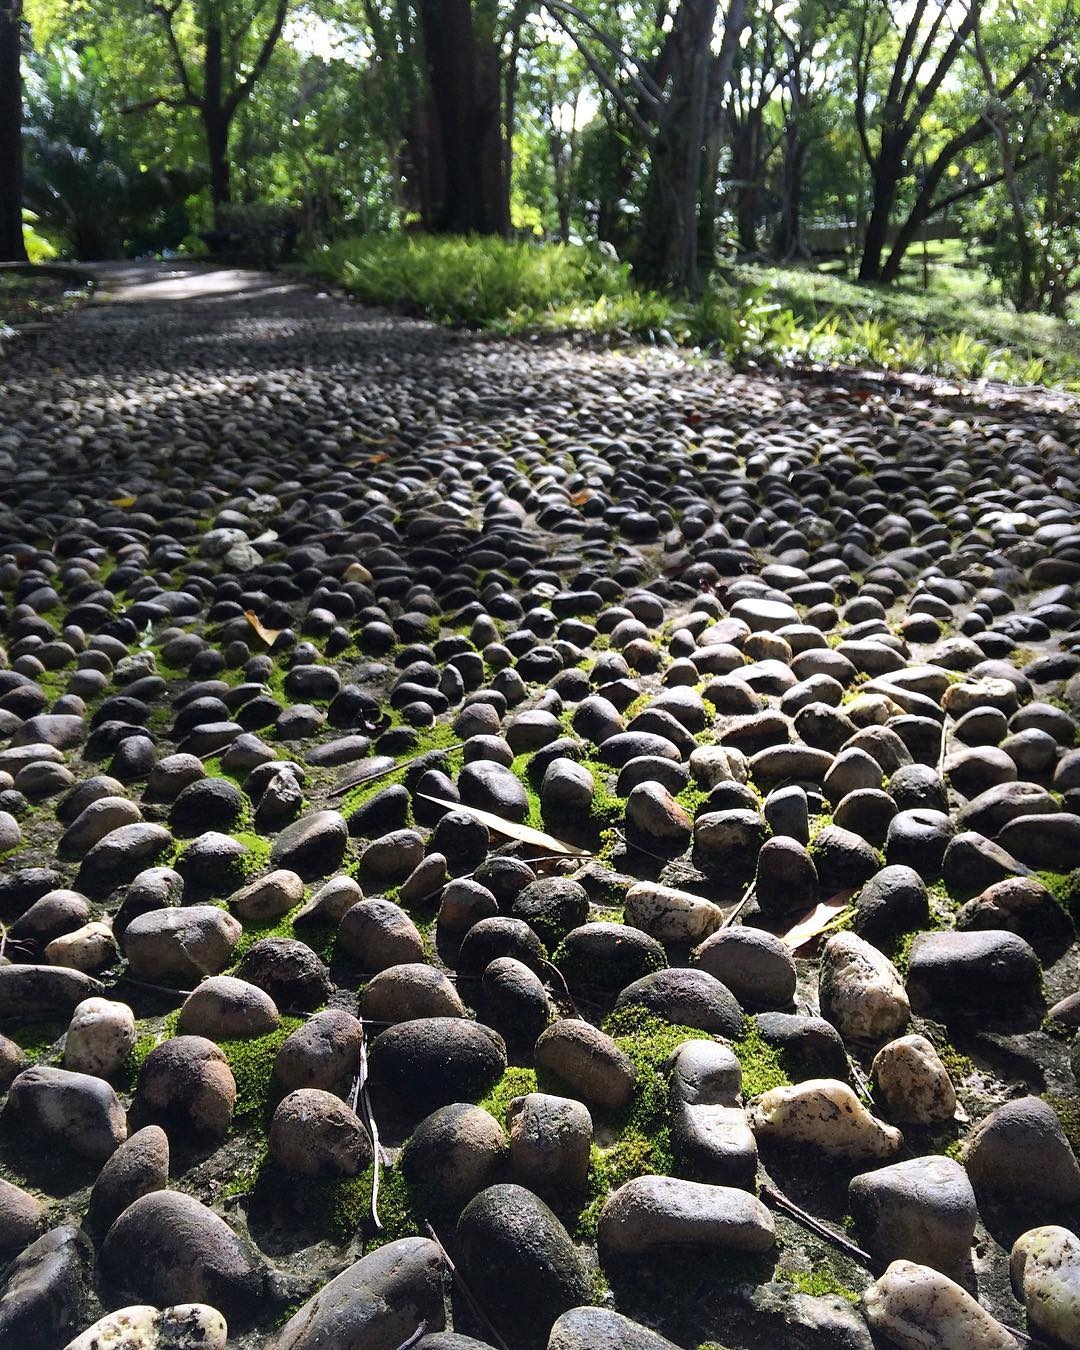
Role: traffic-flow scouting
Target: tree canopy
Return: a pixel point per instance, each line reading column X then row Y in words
column 681, row 133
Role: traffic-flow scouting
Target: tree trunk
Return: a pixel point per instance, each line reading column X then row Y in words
column 12, row 246
column 216, row 123
column 886, row 180
column 667, row 249
column 466, row 94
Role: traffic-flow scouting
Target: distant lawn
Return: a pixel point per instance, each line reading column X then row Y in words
column 28, row 295
column 961, row 298
column 769, row 315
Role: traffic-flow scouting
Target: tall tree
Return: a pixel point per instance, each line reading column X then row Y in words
column 211, row 55
column 462, row 50
column 894, row 102
column 12, row 245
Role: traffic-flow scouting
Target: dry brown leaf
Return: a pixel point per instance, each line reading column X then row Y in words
column 122, row 502
column 524, row 834
column 816, row 920
column 267, row 635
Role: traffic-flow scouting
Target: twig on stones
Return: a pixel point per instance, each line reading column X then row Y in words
column 469, row 1296
column 557, row 976
column 154, row 988
column 360, row 1102
column 941, row 748
column 821, row 1230
column 417, row 1336
column 361, row 779
column 729, row 919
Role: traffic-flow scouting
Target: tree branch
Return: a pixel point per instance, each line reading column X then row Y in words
column 161, row 101
column 605, row 78
column 244, row 88
column 167, row 14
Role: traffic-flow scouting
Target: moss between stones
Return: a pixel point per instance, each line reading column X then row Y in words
column 252, row 1065
column 608, row 809
column 39, row 1041
column 762, row 1064
column 818, row 1282
column 1065, row 888
column 257, row 858
column 1068, row 1111
column 648, row 1041
column 520, row 769
column 515, row 1082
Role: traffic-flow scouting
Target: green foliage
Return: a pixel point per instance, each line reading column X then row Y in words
column 774, row 315
column 487, row 283
column 762, row 1064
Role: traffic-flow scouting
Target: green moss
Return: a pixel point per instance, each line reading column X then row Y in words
column 954, row 1149
column 252, row 1065
column 957, row 1065
column 257, row 858
column 817, row 824
column 632, row 1155
column 39, row 1041
column 818, row 1282
column 762, row 1064
column 648, row 1041
column 608, row 809
column 137, row 1055
column 520, row 769
column 1068, row 1112
column 440, row 737
column 692, row 798
column 1065, row 888
column 515, row 1082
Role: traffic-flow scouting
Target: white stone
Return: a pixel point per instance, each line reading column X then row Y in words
column 1045, row 1269
column 186, row 1326
column 913, row 1081
column 99, row 1037
column 91, row 947
column 921, row 1309
column 860, row 990
column 670, row 915
column 824, row 1114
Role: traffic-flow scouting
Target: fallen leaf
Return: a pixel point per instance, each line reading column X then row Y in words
column 122, row 502
column 267, row 635
column 816, row 920
column 580, row 498
column 524, row 834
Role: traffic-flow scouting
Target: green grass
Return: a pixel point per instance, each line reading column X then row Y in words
column 958, row 329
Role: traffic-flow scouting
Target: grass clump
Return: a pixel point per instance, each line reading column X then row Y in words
column 508, row 287
column 762, row 1064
